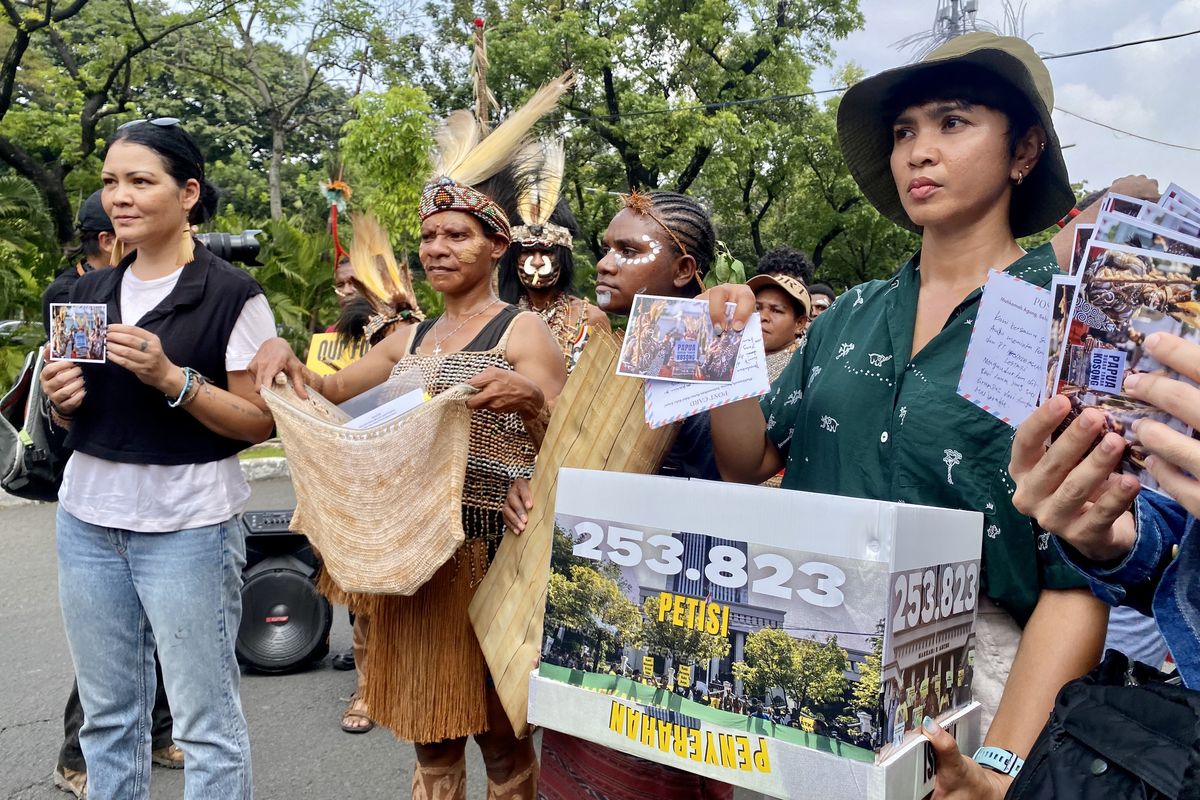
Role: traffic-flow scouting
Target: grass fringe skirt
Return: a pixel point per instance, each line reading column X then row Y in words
column 426, row 676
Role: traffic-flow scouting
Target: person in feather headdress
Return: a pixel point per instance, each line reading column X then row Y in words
column 426, row 677
column 375, row 291
column 538, row 271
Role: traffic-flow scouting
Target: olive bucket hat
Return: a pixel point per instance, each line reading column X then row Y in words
column 865, row 135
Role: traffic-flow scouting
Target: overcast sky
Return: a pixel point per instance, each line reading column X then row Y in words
column 1149, row 89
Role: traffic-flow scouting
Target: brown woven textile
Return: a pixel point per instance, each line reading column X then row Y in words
column 500, row 449
column 426, row 677
column 348, row 484
column 777, row 362
column 599, row 422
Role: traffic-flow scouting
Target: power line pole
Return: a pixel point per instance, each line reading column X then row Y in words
column 955, row 17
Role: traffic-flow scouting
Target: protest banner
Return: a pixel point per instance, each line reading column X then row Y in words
column 787, row 642
column 327, row 355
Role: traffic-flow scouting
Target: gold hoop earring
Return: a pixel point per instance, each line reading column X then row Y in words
column 187, row 248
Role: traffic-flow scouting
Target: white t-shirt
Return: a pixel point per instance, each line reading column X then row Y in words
column 157, row 498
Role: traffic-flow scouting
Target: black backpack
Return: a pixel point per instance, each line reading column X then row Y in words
column 32, row 454
column 1122, row 731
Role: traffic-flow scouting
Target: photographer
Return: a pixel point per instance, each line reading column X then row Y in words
column 96, row 240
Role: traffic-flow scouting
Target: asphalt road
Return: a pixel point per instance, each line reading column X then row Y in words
column 299, row 751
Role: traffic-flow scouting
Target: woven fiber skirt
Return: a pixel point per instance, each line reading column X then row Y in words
column 425, row 674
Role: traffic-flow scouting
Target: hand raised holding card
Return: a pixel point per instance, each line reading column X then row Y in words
column 1070, row 488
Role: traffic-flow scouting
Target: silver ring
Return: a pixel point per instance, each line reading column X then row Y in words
column 144, row 346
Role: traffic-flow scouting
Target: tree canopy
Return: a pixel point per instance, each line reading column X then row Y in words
column 808, row 672
column 710, row 97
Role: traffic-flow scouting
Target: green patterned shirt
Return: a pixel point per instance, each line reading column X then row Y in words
column 854, row 416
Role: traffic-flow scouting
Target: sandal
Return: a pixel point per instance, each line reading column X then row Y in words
column 356, row 714
column 170, row 757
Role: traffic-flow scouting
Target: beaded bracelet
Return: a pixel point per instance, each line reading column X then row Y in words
column 198, row 381
column 187, row 384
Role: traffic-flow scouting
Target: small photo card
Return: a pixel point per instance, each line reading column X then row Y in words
column 668, row 401
column 673, row 339
column 78, row 332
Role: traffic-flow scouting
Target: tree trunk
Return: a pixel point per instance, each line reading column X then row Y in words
column 273, row 177
column 49, row 182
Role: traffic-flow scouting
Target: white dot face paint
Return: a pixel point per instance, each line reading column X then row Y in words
column 603, row 298
column 648, row 258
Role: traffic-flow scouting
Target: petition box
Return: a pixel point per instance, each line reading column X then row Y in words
column 787, row 642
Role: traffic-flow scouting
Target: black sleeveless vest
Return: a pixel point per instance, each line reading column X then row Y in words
column 123, row 419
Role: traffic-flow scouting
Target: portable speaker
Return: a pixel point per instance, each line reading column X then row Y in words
column 285, row 621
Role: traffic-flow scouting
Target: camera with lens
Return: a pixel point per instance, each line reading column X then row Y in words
column 236, row 248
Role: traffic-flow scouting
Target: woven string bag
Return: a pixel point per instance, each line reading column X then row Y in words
column 599, row 422
column 382, row 505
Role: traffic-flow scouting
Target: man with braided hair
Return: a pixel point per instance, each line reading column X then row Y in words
column 659, row 243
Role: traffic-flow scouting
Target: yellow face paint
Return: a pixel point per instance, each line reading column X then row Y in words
column 469, row 252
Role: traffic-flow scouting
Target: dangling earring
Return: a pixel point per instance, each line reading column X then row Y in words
column 187, row 248
column 117, row 253
column 1020, row 177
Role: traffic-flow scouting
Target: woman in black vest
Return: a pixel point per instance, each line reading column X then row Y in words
column 150, row 551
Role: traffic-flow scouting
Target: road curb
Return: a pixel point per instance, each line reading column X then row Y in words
column 255, row 469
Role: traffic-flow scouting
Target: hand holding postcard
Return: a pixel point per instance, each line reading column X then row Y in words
column 669, row 401
column 78, row 332
column 673, row 339
column 1126, row 293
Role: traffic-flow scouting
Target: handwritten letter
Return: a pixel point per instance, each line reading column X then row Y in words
column 1006, row 359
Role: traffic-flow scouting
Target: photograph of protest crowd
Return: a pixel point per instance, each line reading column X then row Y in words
column 928, row 655
column 77, row 331
column 673, row 339
column 721, row 654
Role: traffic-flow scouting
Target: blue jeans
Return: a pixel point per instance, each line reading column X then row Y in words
column 121, row 591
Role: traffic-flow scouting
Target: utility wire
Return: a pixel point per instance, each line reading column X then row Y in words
column 1127, row 133
column 1165, row 38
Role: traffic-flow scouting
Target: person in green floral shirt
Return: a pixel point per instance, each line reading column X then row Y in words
column 959, row 148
